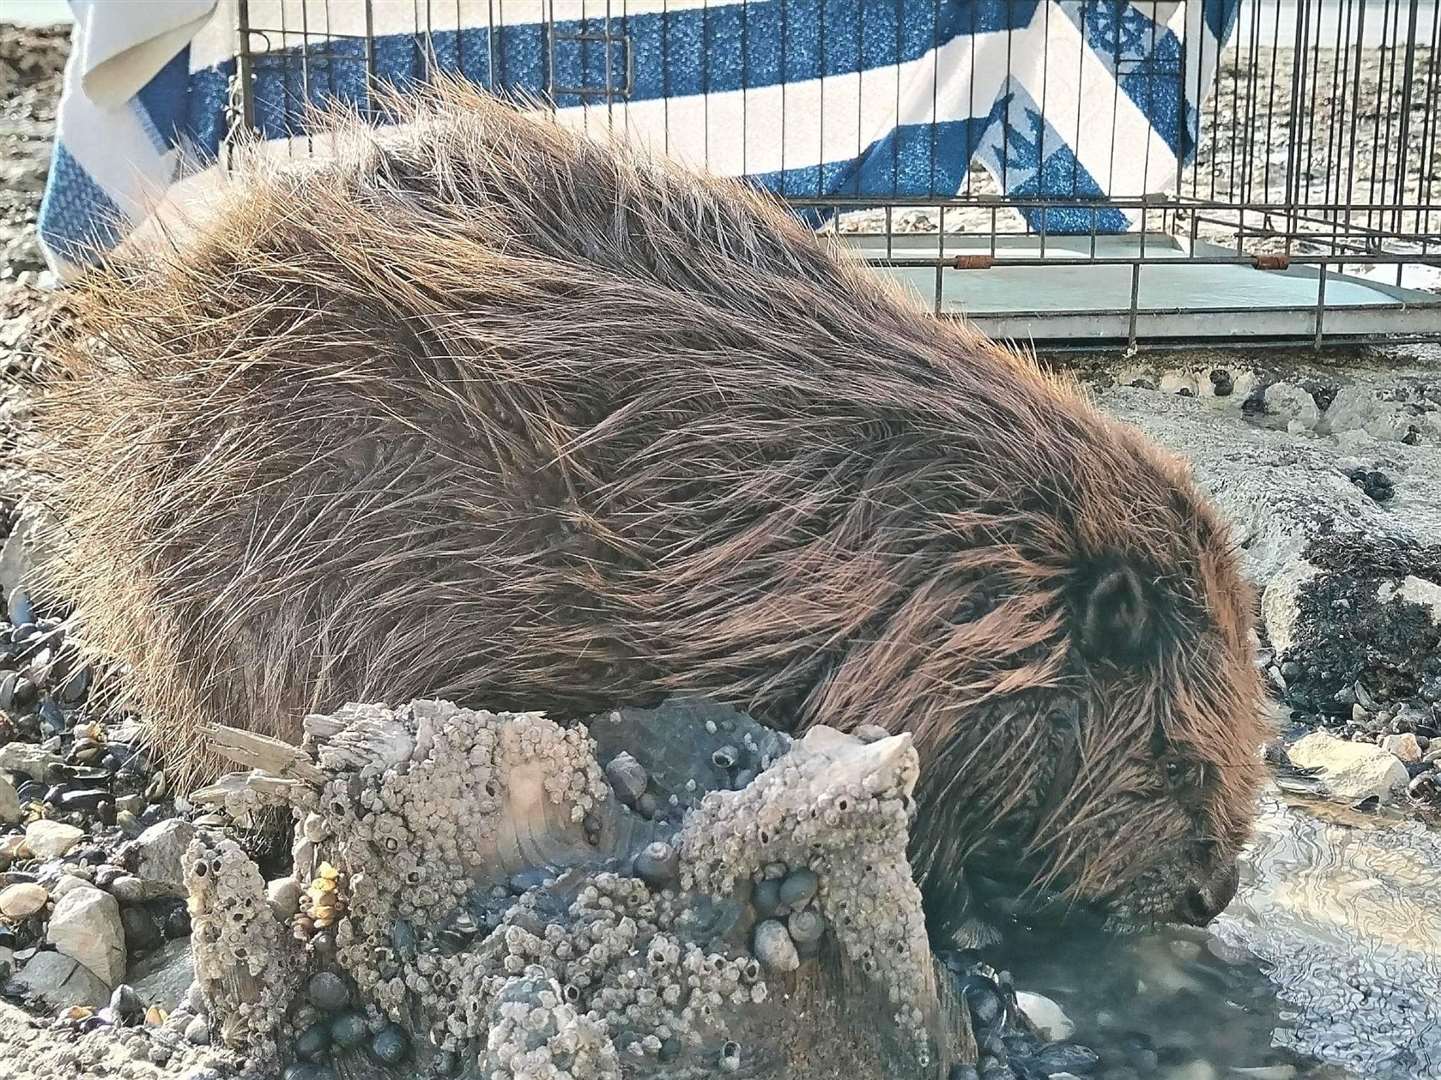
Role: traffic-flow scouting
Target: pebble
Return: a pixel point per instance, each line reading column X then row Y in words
column 10, row 808
column 766, row 898
column 984, row 999
column 81, row 800
column 51, row 839
column 327, row 991
column 774, row 948
column 66, row 883
column 1062, row 1057
column 283, row 893
column 198, row 1031
column 22, row 901
column 349, row 1029
column 390, row 1045
column 628, row 777
column 313, row 1041
column 798, row 888
column 126, row 1005
column 129, row 889
column 51, row 716
column 16, row 692
column 658, row 864
column 1050, row 1019
column 1404, row 746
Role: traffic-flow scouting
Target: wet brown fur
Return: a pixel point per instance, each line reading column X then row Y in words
column 499, row 414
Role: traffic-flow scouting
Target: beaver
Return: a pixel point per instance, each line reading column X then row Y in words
column 497, row 412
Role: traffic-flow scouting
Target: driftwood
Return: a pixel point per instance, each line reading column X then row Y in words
column 675, row 893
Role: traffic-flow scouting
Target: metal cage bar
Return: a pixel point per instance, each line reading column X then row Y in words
column 1303, row 152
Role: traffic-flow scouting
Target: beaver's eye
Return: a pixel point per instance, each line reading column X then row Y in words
column 1182, row 774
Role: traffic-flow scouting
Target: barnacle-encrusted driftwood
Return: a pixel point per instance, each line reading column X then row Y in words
column 497, row 896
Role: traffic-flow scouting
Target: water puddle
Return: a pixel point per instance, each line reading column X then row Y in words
column 1327, row 965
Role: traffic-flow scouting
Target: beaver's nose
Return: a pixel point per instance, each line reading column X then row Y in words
column 1202, row 903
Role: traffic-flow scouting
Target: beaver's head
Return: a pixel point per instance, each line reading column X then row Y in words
column 1076, row 659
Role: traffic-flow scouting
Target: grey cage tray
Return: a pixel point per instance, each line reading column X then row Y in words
column 1177, row 299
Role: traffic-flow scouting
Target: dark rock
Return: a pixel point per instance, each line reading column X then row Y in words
column 141, row 933
column 798, row 887
column 314, row 1041
column 390, row 1045
column 328, row 991
column 52, row 717
column 984, row 999
column 766, row 899
column 402, row 939
column 64, row 773
column 1062, row 1058
column 657, row 864
column 1373, row 482
column 177, row 922
column 348, row 1029
column 628, row 777
column 126, row 1005
column 82, row 800
column 1221, row 382
column 164, row 976
column 31, row 791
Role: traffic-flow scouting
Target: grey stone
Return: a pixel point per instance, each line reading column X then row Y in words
column 61, row 981
column 163, row 977
column 66, row 883
column 160, row 857
column 1351, row 771
column 129, row 889
column 20, row 557
column 1279, row 603
column 284, row 896
column 1404, row 746
column 51, row 839
column 86, row 925
column 628, row 777
column 1289, row 408
column 10, row 812
column 27, row 760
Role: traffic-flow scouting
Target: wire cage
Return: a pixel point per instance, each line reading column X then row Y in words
column 1064, row 172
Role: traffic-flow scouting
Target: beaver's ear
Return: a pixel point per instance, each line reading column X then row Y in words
column 1115, row 616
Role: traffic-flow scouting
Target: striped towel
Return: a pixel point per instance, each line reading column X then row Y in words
column 812, row 99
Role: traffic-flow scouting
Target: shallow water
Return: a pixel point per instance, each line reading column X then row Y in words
column 1327, row 964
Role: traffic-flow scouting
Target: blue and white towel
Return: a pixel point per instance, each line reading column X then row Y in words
column 885, row 99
